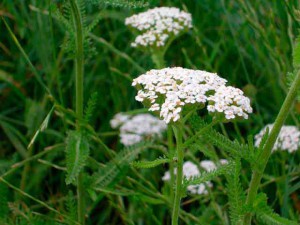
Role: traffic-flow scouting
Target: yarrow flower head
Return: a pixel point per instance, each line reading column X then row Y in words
column 169, row 90
column 134, row 129
column 288, row 138
column 158, row 25
column 118, row 120
column 190, row 170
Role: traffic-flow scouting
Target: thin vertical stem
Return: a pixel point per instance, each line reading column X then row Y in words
column 172, row 153
column 158, row 59
column 266, row 152
column 179, row 174
column 79, row 70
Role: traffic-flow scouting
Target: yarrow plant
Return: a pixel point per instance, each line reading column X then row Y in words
column 158, row 26
column 288, row 138
column 176, row 92
column 191, row 170
column 134, row 129
column 170, row 90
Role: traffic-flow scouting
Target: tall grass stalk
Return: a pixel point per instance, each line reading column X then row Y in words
column 79, row 74
column 267, row 150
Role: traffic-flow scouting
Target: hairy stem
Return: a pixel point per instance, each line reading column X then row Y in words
column 179, row 174
column 266, row 152
column 79, row 70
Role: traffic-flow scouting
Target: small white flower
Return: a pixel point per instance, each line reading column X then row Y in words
column 158, row 25
column 288, row 138
column 136, row 128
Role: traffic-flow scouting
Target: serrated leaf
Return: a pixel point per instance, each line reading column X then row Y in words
column 215, row 138
column 265, row 214
column 71, row 207
column 106, row 175
column 208, row 176
column 121, row 3
column 77, row 152
column 236, row 195
column 150, row 164
column 90, row 108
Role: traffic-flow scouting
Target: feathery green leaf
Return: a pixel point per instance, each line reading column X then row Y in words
column 77, row 152
column 150, row 164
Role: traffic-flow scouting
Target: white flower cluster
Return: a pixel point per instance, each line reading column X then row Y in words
column 158, row 25
column 288, row 138
column 191, row 170
column 168, row 90
column 118, row 120
column 230, row 101
column 134, row 129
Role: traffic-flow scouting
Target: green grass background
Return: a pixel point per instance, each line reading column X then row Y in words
column 247, row 42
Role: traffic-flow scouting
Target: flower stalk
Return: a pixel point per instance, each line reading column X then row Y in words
column 179, row 175
column 79, row 74
column 267, row 150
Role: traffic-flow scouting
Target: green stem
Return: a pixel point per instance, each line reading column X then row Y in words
column 158, row 59
column 266, row 152
column 172, row 153
column 79, row 70
column 179, row 174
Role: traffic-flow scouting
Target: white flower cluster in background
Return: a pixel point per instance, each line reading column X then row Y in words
column 118, row 120
column 157, row 25
column 168, row 90
column 134, row 129
column 191, row 170
column 288, row 138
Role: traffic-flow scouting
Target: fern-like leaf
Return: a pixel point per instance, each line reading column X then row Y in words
column 212, row 136
column 121, row 3
column 150, row 164
column 77, row 152
column 90, row 108
column 265, row 214
column 107, row 174
column 236, row 195
column 71, row 207
column 208, row 176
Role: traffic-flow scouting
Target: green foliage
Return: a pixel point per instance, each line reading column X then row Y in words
column 236, row 194
column 212, row 136
column 42, row 127
column 208, row 176
column 77, row 152
column 65, row 18
column 257, row 50
column 106, row 175
column 150, row 164
column 289, row 80
column 265, row 214
column 33, row 122
column 71, row 207
column 3, row 202
column 90, row 108
column 296, row 53
column 121, row 3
